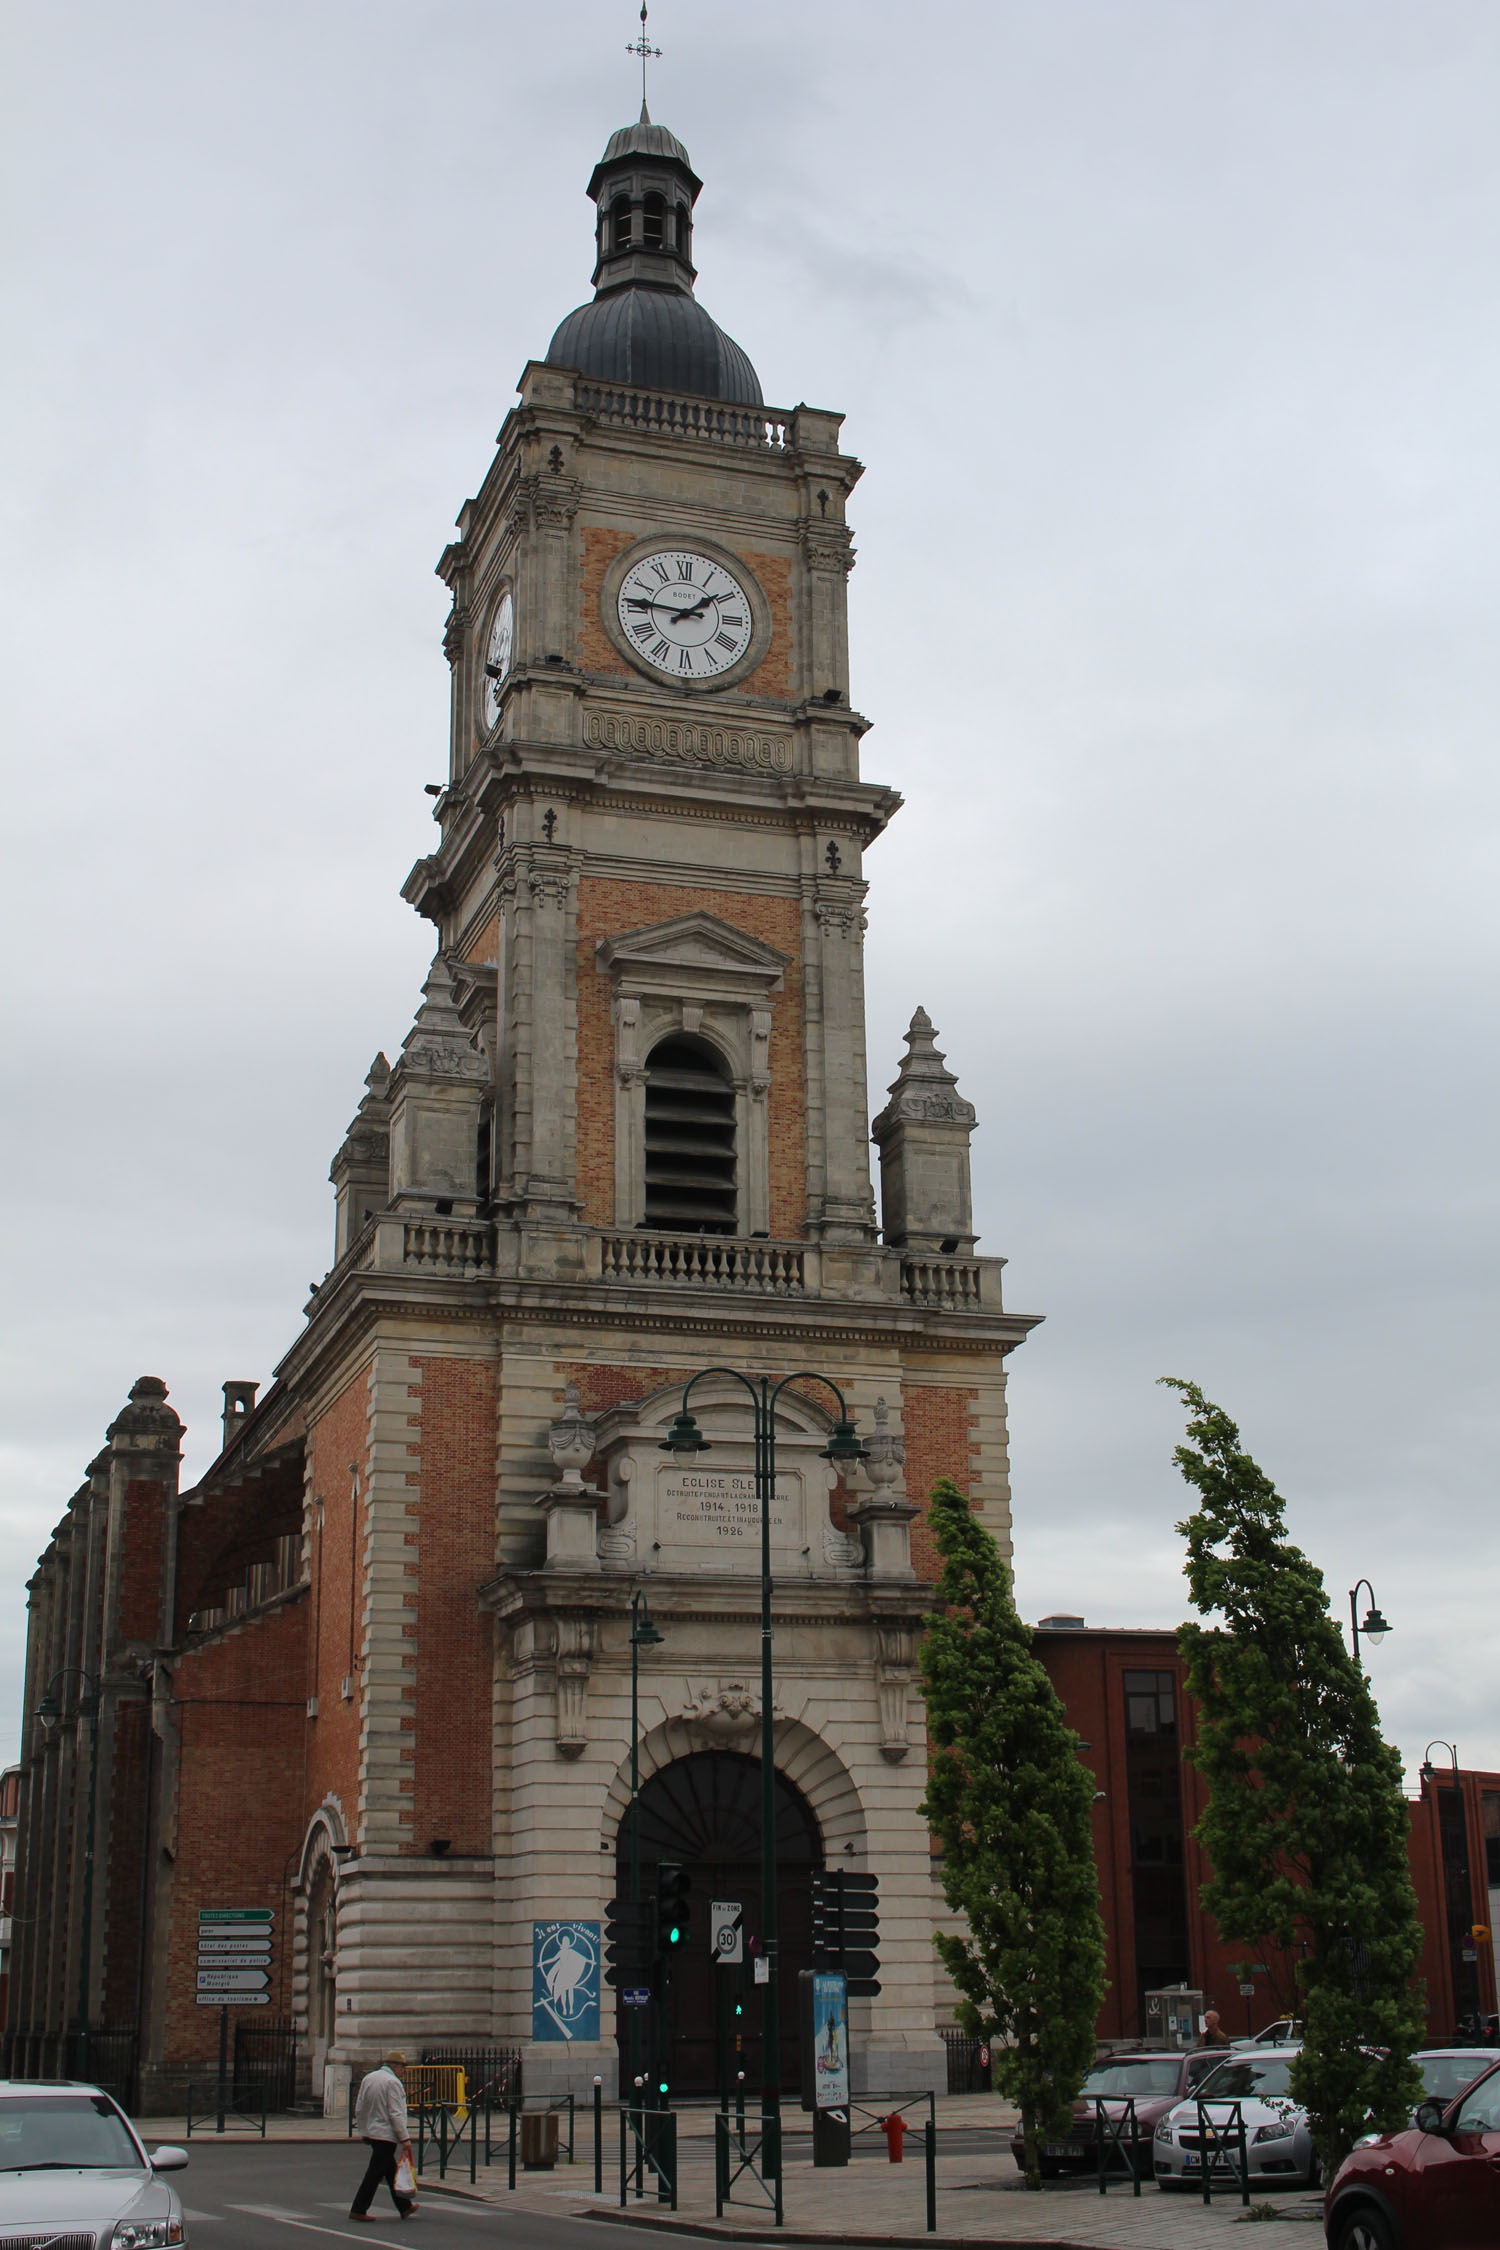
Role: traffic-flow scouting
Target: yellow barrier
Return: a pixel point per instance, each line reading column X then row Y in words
column 434, row 2085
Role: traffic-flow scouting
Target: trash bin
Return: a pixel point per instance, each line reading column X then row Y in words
column 538, row 2140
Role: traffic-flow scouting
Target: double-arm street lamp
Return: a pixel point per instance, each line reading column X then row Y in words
column 685, row 1439
column 1375, row 1627
column 49, row 1711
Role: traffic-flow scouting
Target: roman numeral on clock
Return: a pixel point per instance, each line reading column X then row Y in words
column 723, row 640
column 738, row 622
column 662, row 649
column 643, row 632
column 661, row 571
column 684, row 660
column 685, row 569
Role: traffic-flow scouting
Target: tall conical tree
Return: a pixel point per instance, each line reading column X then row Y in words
column 1306, row 1824
column 1011, row 1807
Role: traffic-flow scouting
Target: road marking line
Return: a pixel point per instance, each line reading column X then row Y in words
column 287, row 2219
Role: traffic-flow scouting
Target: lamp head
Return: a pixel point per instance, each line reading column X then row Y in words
column 1375, row 1627
column 684, row 1436
column 843, row 1444
column 49, row 1711
column 644, row 1632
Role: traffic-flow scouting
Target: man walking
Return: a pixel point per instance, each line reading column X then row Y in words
column 380, row 2121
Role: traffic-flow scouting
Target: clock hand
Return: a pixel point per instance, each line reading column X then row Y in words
column 697, row 610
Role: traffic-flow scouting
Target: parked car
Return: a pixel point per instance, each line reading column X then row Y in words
column 72, row 2166
column 1155, row 2081
column 1286, row 2031
column 1447, row 2071
column 1278, row 2144
column 1433, row 2186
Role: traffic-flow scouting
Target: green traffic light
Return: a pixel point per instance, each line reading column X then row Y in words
column 674, row 1935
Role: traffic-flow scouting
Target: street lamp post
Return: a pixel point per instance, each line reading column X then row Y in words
column 1375, row 1627
column 49, row 1711
column 1428, row 1770
column 643, row 1634
column 686, row 1438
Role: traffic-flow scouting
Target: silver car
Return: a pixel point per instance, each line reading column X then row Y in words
column 1446, row 2071
column 1278, row 2145
column 75, row 2175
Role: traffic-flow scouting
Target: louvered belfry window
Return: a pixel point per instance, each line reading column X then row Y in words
column 690, row 1183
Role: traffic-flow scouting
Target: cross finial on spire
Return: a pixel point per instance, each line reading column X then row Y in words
column 647, row 53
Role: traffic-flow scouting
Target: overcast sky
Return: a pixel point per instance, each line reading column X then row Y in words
column 1169, row 335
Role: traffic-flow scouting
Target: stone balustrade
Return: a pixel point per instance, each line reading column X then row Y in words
column 705, row 1261
column 752, row 428
column 941, row 1284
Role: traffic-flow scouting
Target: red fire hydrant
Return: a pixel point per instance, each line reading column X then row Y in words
column 894, row 2129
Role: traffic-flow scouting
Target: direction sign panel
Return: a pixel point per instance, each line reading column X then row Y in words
column 726, row 1929
column 234, row 1956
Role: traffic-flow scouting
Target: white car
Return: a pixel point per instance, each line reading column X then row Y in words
column 74, row 2173
column 1278, row 2145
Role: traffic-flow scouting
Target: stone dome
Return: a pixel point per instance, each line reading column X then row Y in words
column 655, row 339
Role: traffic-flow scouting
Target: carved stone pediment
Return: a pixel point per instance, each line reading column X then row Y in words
column 692, row 952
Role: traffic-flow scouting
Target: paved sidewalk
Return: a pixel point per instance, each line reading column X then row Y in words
column 980, row 2199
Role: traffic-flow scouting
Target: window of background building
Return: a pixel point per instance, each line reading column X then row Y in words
column 1153, row 1786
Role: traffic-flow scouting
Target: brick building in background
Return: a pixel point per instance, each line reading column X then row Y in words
column 370, row 1678
column 1124, row 1692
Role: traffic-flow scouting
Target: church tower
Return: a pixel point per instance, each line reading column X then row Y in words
column 626, row 1139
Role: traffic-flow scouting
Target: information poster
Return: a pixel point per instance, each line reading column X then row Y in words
column 830, row 2004
column 564, row 1980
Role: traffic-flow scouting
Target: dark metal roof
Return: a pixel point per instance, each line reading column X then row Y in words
column 655, row 339
column 644, row 139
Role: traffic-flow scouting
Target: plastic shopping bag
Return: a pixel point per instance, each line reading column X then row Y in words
column 405, row 2184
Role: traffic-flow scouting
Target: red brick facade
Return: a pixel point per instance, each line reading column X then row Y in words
column 453, row 1542
column 935, row 1418
column 336, row 1648
column 242, row 1741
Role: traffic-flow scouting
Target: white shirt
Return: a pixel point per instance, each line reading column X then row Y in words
column 380, row 2108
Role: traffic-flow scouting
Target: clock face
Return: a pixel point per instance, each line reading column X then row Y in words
column 685, row 616
column 497, row 657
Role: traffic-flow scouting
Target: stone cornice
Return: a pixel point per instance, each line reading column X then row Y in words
column 707, row 1597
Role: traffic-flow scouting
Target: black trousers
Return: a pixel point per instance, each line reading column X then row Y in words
column 381, row 2167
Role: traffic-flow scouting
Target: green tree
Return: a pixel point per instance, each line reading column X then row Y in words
column 1306, row 1824
column 1011, row 1807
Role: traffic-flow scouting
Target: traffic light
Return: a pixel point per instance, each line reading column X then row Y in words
column 673, row 1915
column 630, row 1941
column 846, row 1927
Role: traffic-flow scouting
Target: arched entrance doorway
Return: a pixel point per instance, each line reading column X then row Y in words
column 704, row 1812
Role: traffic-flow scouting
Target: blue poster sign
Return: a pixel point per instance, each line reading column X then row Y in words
column 830, row 2006
column 564, row 1980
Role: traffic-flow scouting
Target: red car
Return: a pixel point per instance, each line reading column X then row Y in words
column 1155, row 2082
column 1435, row 2186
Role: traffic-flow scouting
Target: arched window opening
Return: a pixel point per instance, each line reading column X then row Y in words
column 654, row 223
column 619, row 223
column 680, row 225
column 690, row 1168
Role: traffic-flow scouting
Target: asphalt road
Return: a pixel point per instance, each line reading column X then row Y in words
column 295, row 2196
